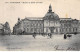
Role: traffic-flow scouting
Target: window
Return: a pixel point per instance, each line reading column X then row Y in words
column 31, row 29
column 27, row 30
column 34, row 29
column 46, row 29
column 47, row 22
column 66, row 29
column 56, row 30
column 76, row 29
column 73, row 29
column 60, row 30
column 69, row 29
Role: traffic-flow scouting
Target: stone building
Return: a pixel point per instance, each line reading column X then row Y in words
column 75, row 26
column 28, row 26
column 50, row 23
column 79, row 27
column 69, row 25
column 65, row 25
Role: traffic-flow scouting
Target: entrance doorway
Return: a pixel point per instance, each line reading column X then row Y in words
column 52, row 29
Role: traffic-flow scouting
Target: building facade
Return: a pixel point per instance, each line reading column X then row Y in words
column 50, row 23
column 68, row 25
column 28, row 26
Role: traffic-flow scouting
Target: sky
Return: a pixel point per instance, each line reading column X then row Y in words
column 10, row 12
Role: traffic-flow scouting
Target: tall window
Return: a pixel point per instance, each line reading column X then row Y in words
column 46, row 29
column 56, row 30
column 27, row 29
column 69, row 29
column 31, row 29
column 76, row 29
column 62, row 29
column 34, row 29
column 66, row 29
column 73, row 29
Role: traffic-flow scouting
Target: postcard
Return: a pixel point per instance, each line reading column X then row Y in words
column 39, row 25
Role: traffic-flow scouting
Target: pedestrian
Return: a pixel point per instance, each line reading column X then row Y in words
column 65, row 36
column 50, row 35
column 34, row 34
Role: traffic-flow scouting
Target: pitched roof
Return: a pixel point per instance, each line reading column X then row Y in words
column 34, row 18
column 65, row 18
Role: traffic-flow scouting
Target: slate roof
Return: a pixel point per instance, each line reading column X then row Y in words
column 51, row 16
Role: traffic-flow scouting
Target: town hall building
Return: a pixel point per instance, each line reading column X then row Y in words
column 50, row 23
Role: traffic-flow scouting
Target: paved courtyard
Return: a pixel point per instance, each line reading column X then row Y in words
column 40, row 43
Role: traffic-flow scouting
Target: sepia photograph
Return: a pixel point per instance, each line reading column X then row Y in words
column 39, row 25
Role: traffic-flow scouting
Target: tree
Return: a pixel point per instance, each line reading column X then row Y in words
column 7, row 29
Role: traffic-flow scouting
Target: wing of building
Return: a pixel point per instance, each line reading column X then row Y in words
column 69, row 25
column 28, row 26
